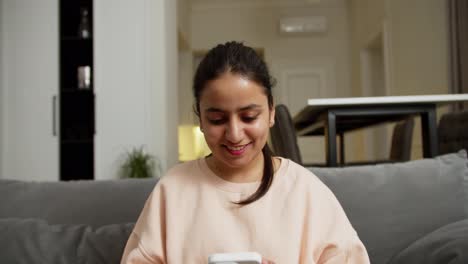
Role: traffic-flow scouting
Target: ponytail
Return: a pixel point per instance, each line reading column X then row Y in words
column 267, row 179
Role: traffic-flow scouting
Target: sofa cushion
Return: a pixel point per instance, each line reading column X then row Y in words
column 94, row 203
column 35, row 241
column 392, row 205
column 447, row 244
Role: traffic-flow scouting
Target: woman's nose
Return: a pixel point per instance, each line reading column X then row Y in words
column 234, row 131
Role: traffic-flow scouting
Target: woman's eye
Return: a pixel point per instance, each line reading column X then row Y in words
column 249, row 119
column 216, row 121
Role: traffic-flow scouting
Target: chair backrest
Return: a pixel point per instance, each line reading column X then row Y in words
column 401, row 140
column 453, row 132
column 283, row 135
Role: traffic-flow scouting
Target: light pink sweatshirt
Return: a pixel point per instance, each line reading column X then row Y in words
column 190, row 215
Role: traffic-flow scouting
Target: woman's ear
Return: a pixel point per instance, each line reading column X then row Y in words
column 272, row 116
column 201, row 125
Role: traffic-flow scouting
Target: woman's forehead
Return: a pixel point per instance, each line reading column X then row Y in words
column 232, row 87
column 215, row 101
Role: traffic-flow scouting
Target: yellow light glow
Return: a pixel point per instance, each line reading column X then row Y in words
column 192, row 144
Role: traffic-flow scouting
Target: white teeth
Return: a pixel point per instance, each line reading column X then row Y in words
column 236, row 148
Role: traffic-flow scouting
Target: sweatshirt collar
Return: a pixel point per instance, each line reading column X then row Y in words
column 234, row 187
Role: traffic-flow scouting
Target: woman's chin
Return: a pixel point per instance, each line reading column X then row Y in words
column 237, row 161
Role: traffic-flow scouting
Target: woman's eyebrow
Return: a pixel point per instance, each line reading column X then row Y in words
column 213, row 110
column 248, row 107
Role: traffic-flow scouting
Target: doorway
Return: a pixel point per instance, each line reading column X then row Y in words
column 374, row 83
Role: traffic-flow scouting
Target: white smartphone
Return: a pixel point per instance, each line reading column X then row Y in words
column 235, row 258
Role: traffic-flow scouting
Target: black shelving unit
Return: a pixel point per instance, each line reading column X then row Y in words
column 77, row 111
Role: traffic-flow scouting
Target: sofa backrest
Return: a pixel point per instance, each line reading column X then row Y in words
column 392, row 205
column 389, row 205
column 93, row 203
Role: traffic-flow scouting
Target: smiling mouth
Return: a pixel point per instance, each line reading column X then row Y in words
column 236, row 150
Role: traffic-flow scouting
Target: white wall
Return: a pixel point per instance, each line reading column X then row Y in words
column 256, row 23
column 185, row 103
column 167, row 69
column 416, row 48
column 135, row 84
column 185, row 60
column 419, row 47
column 183, row 19
column 366, row 21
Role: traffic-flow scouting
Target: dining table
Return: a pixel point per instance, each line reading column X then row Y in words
column 332, row 117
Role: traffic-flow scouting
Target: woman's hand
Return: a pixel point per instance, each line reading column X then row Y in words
column 266, row 261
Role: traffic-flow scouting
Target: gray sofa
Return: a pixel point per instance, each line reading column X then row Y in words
column 412, row 212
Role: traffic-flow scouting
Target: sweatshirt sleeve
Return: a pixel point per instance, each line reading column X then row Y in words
column 354, row 253
column 339, row 241
column 149, row 230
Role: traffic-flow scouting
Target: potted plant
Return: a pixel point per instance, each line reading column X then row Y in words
column 139, row 164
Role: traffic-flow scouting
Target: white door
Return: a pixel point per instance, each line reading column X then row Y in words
column 297, row 82
column 30, row 80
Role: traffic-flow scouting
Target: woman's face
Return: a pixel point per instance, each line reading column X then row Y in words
column 235, row 119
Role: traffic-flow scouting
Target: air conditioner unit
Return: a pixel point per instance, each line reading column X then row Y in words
column 307, row 24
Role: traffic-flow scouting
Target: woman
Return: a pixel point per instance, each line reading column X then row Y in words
column 240, row 198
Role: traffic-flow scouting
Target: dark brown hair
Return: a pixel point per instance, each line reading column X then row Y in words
column 237, row 58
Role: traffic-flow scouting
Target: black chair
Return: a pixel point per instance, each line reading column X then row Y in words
column 400, row 149
column 284, row 140
column 283, row 135
column 453, row 132
column 402, row 139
